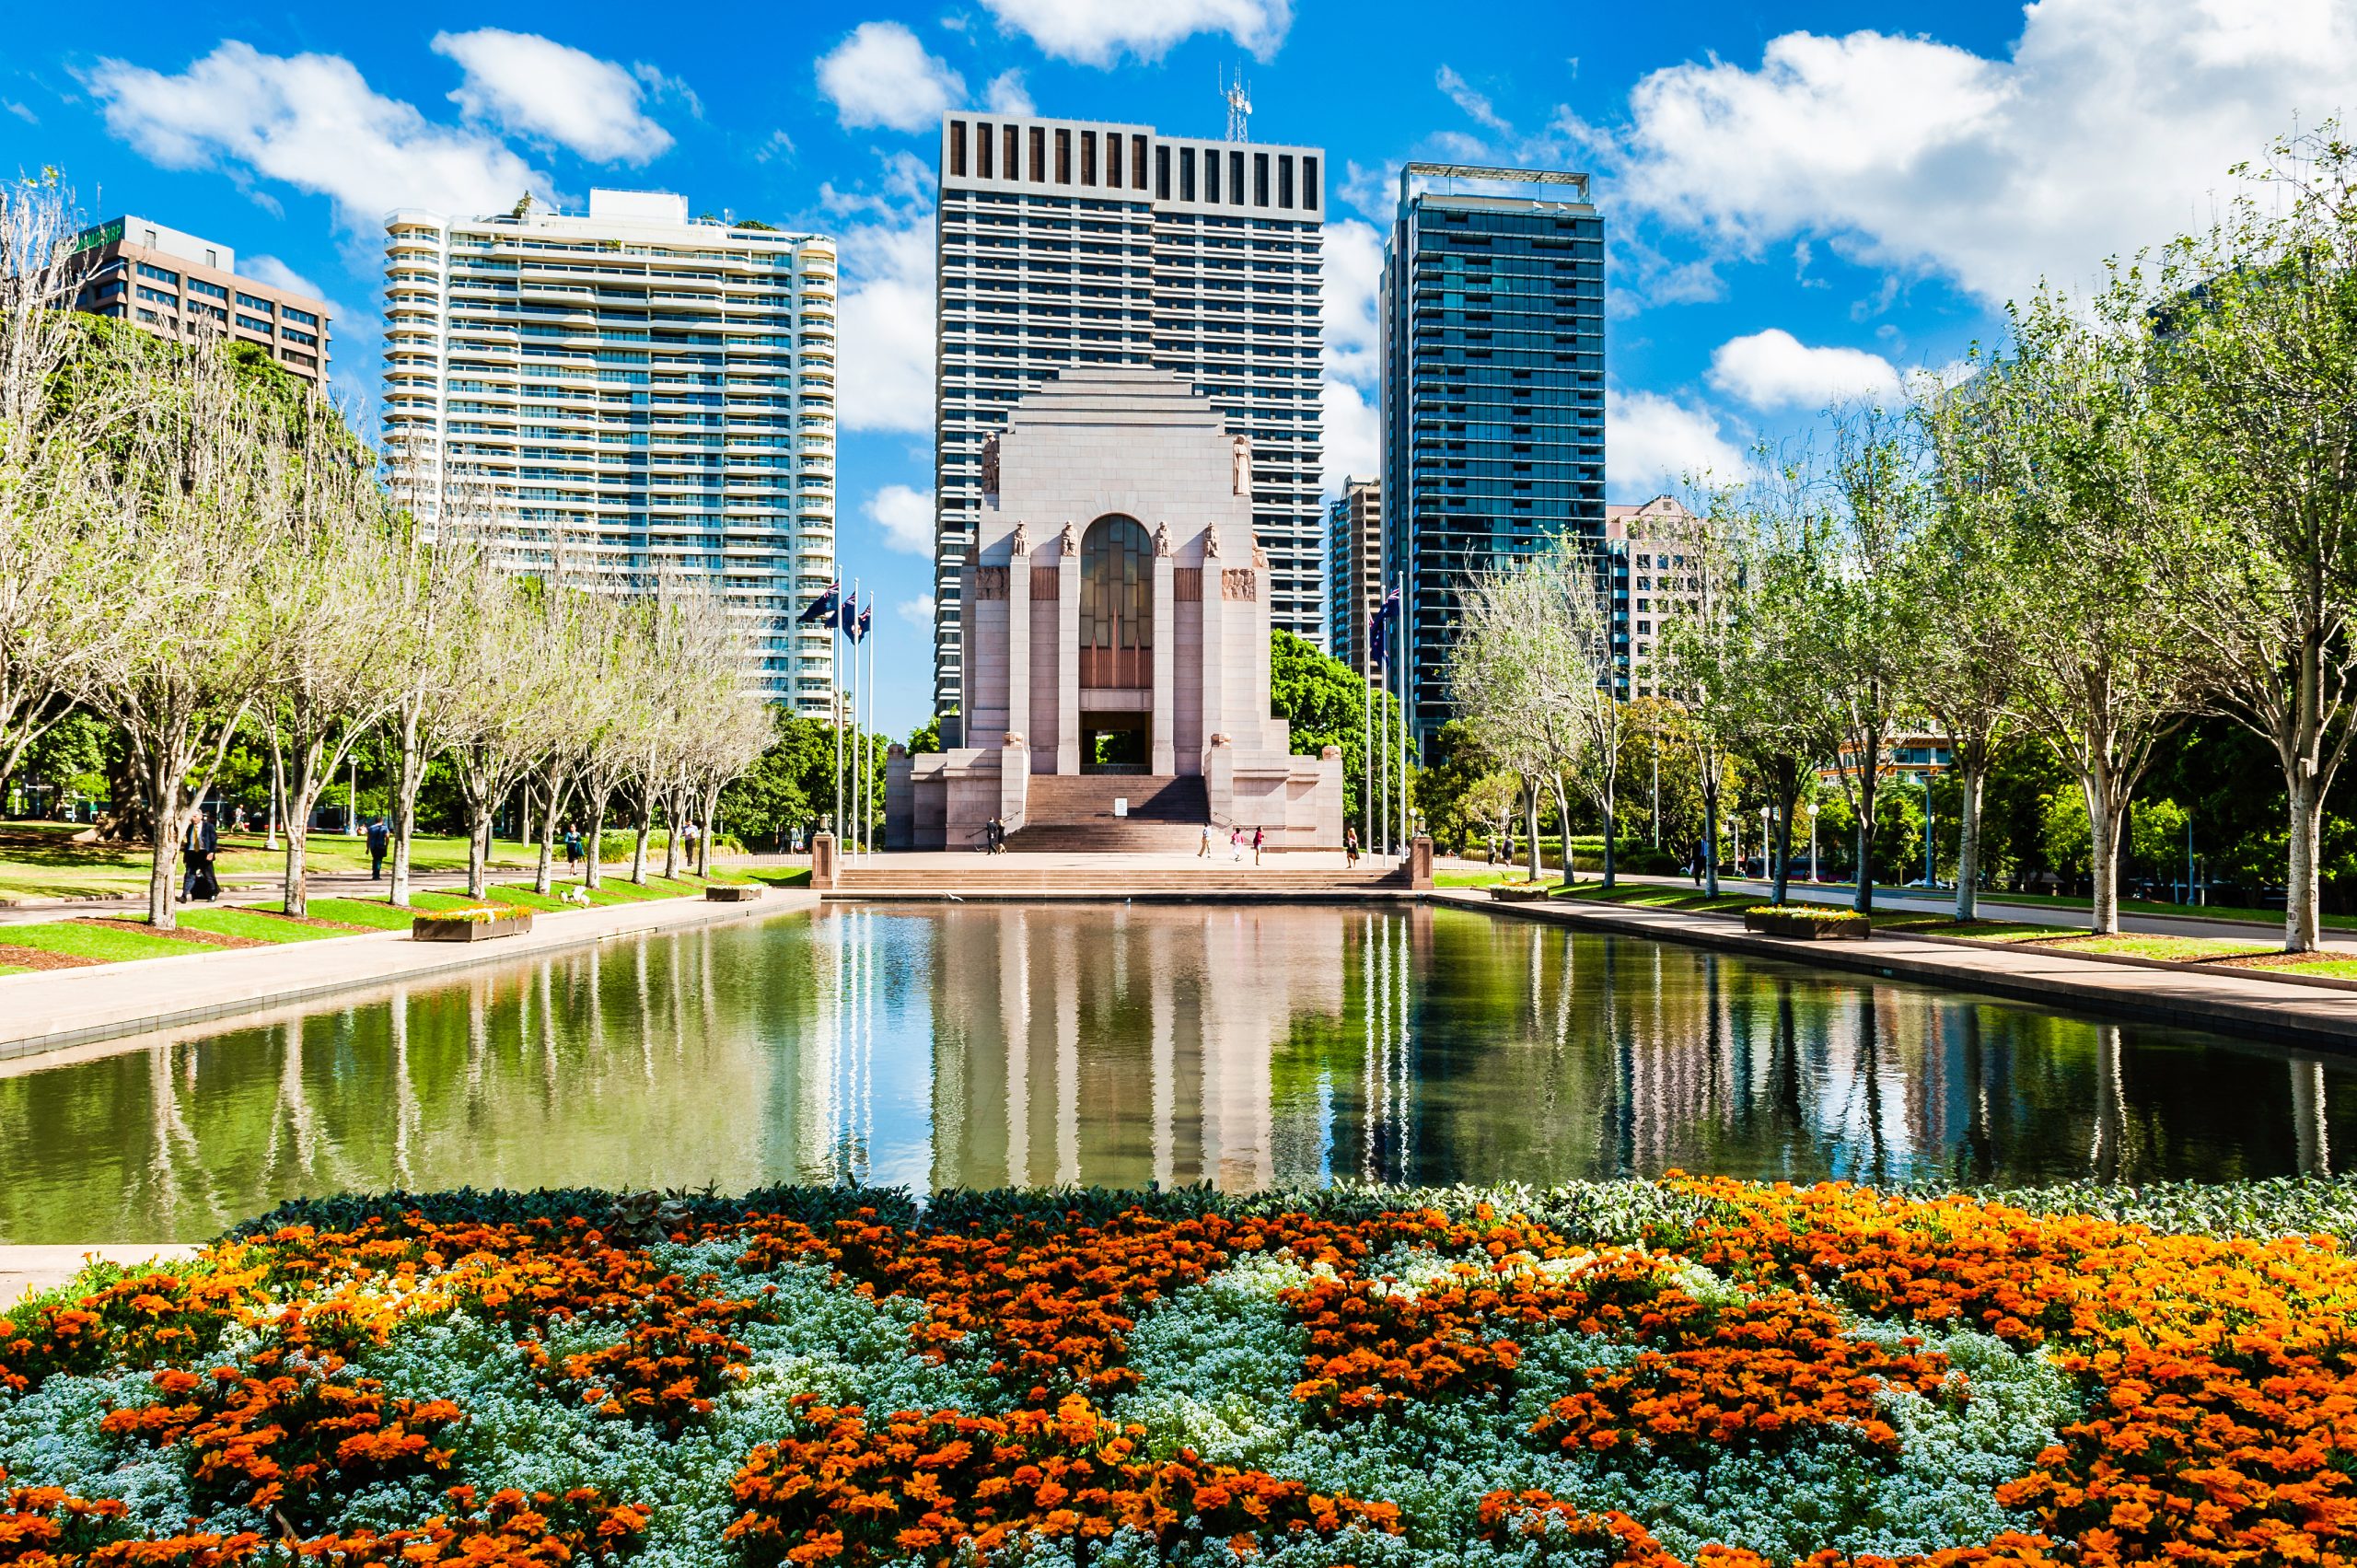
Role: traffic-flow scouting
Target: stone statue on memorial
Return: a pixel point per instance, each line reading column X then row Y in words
column 1022, row 540
column 990, row 465
column 1071, row 540
column 1260, row 556
column 1162, row 539
column 1210, row 542
column 1241, row 465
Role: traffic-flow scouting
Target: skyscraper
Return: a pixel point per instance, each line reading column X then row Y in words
column 1354, row 567
column 648, row 394
column 1068, row 242
column 1493, row 391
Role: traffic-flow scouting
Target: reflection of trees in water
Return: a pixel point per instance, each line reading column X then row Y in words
column 987, row 1044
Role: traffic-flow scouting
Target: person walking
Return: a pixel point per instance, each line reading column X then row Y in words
column 1204, row 850
column 1257, row 836
column 1236, row 845
column 572, row 848
column 198, row 846
column 1350, row 846
column 379, row 837
column 1694, row 863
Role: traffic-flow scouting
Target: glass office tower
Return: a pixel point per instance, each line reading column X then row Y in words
column 1493, row 391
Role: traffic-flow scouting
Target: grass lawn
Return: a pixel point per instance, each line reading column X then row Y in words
column 799, row 877
column 2127, row 906
column 2337, row 968
column 258, row 925
column 41, row 860
column 2175, row 949
column 81, row 940
column 1660, row 896
column 371, row 913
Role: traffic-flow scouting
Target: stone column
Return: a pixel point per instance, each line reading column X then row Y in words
column 1018, row 643
column 1068, row 656
column 822, row 860
column 1166, row 652
column 1214, row 655
column 1219, row 779
column 1014, row 782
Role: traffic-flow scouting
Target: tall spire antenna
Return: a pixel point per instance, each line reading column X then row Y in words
column 1238, row 95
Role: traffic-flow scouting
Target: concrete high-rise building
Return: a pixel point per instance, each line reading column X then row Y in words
column 1493, row 391
column 1065, row 242
column 648, row 395
column 1354, row 567
column 177, row 285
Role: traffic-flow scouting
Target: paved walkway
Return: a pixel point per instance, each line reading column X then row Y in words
column 24, row 1270
column 49, row 1009
column 2208, row 999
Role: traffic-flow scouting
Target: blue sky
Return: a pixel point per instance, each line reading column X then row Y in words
column 1804, row 200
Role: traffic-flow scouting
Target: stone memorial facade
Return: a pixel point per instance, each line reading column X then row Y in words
column 1116, row 624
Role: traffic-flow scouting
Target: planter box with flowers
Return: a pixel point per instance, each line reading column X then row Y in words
column 1520, row 892
column 1807, row 922
column 733, row 892
column 469, row 924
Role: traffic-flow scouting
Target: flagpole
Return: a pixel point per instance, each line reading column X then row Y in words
column 867, row 748
column 851, row 630
column 1407, row 717
column 1367, row 743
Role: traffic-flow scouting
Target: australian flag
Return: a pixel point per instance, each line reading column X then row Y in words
column 847, row 619
column 866, row 611
column 821, row 612
column 1378, row 629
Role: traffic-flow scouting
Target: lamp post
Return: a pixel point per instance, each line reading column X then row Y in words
column 1812, row 841
column 1767, row 850
column 1925, row 779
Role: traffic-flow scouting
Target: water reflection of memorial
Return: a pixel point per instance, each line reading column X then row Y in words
column 976, row 1045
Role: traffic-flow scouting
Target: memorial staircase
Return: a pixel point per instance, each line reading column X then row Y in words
column 1152, row 878
column 1073, row 814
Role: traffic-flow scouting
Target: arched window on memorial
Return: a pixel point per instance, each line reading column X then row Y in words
column 1116, row 604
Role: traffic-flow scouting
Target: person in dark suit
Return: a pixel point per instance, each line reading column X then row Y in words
column 379, row 837
column 198, row 844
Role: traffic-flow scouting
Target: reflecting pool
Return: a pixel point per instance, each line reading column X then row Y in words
column 978, row 1045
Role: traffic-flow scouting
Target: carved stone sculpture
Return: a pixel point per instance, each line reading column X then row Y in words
column 1022, row 540
column 1162, row 539
column 1210, row 542
column 1242, row 465
column 990, row 465
column 1260, row 556
column 1071, row 541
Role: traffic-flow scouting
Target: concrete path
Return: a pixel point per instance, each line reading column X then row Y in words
column 49, row 1009
column 24, row 1270
column 2206, row 999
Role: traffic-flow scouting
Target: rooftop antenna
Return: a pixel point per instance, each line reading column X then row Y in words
column 1238, row 95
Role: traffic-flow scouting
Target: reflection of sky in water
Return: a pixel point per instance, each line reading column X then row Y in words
column 979, row 1045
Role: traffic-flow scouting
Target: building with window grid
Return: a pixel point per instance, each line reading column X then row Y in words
column 177, row 285
column 1354, row 567
column 1493, row 391
column 647, row 395
column 1064, row 243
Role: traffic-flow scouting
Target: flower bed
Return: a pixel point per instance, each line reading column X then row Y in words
column 1810, row 922
column 1690, row 1372
column 476, row 924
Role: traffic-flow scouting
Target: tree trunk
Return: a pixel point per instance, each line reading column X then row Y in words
column 1971, row 778
column 589, row 876
column 478, row 846
column 1563, row 823
column 703, row 840
column 406, row 783
column 1530, row 824
column 277, row 791
column 545, row 876
column 162, row 787
column 671, row 837
column 1709, row 843
column 1863, row 899
column 524, row 813
column 1788, row 798
column 644, row 825
column 2303, row 906
column 2106, row 809
column 296, row 896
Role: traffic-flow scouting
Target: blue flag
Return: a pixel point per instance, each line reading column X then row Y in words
column 821, row 612
column 1378, row 629
column 845, row 616
column 864, row 616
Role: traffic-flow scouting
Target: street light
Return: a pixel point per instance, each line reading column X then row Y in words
column 1924, row 778
column 1767, row 866
column 1812, row 841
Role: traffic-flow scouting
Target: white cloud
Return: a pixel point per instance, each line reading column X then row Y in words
column 1653, row 442
column 1098, row 32
column 312, row 121
column 1353, row 446
column 20, row 110
column 779, row 146
column 1353, row 258
column 278, row 274
column 535, row 86
column 888, row 325
column 2111, row 125
column 1476, row 105
column 917, row 611
column 1007, row 95
column 905, row 516
column 880, row 74
column 1773, row 370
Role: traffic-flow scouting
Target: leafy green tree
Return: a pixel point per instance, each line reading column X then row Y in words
column 1460, row 761
column 1324, row 705
column 789, row 785
column 926, row 737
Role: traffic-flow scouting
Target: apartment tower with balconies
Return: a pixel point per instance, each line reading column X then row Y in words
column 643, row 396
column 1068, row 243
